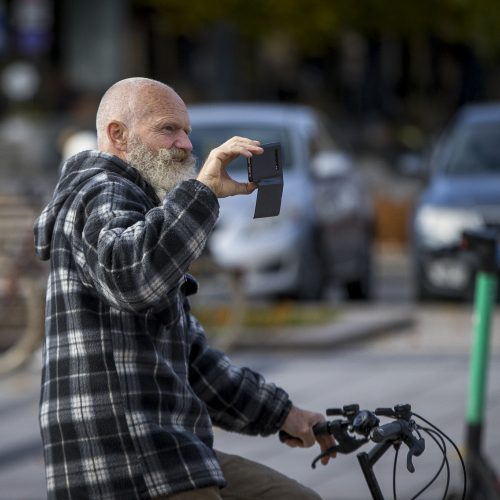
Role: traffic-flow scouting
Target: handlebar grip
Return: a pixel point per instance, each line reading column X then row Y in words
column 319, row 429
column 322, row 428
column 390, row 431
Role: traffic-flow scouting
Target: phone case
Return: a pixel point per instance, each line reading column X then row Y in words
column 266, row 170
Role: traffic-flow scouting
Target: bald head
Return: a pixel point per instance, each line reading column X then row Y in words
column 128, row 105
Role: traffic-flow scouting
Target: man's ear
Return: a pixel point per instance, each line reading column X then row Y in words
column 118, row 135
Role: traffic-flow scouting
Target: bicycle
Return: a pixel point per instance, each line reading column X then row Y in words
column 358, row 427
column 24, row 285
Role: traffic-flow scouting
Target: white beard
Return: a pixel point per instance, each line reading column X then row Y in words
column 163, row 169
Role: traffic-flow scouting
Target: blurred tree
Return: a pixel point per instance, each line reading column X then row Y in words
column 316, row 24
column 376, row 65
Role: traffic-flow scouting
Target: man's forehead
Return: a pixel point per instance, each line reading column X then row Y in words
column 158, row 93
column 161, row 103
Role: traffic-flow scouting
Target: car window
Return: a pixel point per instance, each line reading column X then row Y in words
column 473, row 149
column 206, row 138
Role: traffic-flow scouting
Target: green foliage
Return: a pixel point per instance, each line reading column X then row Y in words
column 306, row 23
column 282, row 314
column 313, row 24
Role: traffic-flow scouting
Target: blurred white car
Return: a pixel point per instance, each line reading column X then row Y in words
column 326, row 226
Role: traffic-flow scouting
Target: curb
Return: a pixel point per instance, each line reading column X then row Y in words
column 356, row 325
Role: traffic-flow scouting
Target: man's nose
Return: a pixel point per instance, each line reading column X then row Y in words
column 183, row 142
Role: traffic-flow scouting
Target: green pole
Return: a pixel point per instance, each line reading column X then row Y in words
column 485, row 295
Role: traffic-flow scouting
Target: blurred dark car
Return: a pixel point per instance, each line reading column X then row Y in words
column 463, row 192
column 325, row 228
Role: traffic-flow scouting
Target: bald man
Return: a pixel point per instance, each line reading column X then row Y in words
column 130, row 387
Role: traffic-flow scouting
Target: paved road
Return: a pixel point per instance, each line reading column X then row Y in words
column 434, row 383
column 21, row 465
column 426, row 366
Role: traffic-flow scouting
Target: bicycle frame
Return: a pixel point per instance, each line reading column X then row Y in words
column 367, row 461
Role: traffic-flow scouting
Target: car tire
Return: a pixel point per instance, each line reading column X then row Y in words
column 312, row 277
column 361, row 288
column 421, row 290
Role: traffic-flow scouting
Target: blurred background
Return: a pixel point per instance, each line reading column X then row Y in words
column 372, row 100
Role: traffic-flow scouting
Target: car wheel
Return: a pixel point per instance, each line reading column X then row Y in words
column 421, row 290
column 361, row 288
column 312, row 277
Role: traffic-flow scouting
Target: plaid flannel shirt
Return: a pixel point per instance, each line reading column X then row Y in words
column 130, row 388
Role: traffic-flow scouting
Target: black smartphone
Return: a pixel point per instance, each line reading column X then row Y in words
column 266, row 170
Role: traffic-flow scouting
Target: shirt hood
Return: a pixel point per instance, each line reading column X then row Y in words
column 75, row 173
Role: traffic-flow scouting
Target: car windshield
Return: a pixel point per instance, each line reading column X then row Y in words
column 205, row 138
column 473, row 149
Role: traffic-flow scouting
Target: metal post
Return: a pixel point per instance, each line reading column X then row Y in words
column 484, row 303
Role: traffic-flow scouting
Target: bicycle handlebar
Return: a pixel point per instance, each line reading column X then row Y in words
column 400, row 430
column 366, row 424
column 320, row 429
column 389, row 432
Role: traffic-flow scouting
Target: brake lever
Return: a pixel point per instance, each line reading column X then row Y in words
column 415, row 448
column 339, row 429
column 345, row 448
column 345, row 442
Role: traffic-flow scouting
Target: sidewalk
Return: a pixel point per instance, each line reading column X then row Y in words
column 354, row 324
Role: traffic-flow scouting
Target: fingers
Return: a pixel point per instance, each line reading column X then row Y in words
column 213, row 172
column 244, row 187
column 249, row 187
column 236, row 146
column 242, row 146
column 304, row 439
column 294, row 442
column 299, row 424
column 326, row 442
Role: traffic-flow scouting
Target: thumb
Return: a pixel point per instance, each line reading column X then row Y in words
column 243, row 188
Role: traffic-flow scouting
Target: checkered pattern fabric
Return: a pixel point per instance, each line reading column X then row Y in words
column 130, row 388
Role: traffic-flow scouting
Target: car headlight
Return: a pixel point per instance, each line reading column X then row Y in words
column 438, row 226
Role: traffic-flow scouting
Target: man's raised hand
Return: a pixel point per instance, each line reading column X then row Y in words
column 213, row 173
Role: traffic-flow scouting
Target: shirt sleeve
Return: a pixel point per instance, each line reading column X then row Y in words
column 238, row 399
column 134, row 254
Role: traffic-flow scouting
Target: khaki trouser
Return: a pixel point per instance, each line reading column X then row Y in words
column 247, row 480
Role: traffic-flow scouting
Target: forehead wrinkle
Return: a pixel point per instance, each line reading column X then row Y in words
column 159, row 106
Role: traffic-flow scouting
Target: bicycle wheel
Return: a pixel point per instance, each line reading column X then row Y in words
column 32, row 329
